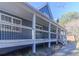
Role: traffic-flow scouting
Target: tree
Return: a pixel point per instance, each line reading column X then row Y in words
column 70, row 21
column 67, row 17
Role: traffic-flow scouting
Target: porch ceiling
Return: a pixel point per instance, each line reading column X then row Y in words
column 16, row 9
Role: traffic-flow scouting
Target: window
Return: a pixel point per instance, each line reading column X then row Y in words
column 53, row 28
column 53, row 35
column 26, row 23
column 16, row 21
column 0, row 26
column 11, row 26
column 6, row 27
column 39, row 26
column 42, row 27
column 6, row 18
column 17, row 29
column 41, row 35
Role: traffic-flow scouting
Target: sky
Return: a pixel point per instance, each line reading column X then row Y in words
column 58, row 8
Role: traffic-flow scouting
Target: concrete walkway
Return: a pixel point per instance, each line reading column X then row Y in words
column 69, row 49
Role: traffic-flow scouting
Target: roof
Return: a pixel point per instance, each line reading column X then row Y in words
column 46, row 10
column 37, row 11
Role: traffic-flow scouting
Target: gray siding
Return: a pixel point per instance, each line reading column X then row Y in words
column 41, row 35
column 27, row 23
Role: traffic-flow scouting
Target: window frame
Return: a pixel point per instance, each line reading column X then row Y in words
column 16, row 19
column 53, row 28
column 5, row 24
column 7, row 16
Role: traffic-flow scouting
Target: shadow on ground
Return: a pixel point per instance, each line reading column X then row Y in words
column 68, row 50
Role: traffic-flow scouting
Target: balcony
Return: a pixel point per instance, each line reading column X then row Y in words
column 41, row 24
column 41, row 28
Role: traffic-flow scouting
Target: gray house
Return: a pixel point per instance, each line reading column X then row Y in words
column 22, row 25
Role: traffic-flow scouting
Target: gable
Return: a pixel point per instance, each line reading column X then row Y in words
column 46, row 10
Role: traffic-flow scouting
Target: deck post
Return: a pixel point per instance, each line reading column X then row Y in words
column 0, row 28
column 64, row 37
column 49, row 43
column 57, row 35
column 33, row 33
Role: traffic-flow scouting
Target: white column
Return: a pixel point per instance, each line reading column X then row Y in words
column 0, row 16
column 57, row 35
column 61, row 36
column 0, row 27
column 60, row 33
column 33, row 33
column 65, row 39
column 65, row 35
column 49, row 43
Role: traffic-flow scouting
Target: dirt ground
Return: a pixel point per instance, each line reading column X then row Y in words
column 70, row 49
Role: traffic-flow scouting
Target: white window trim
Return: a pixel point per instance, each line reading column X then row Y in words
column 0, row 21
column 17, row 19
column 0, row 16
column 13, row 24
column 16, row 25
column 6, row 15
column 10, row 23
